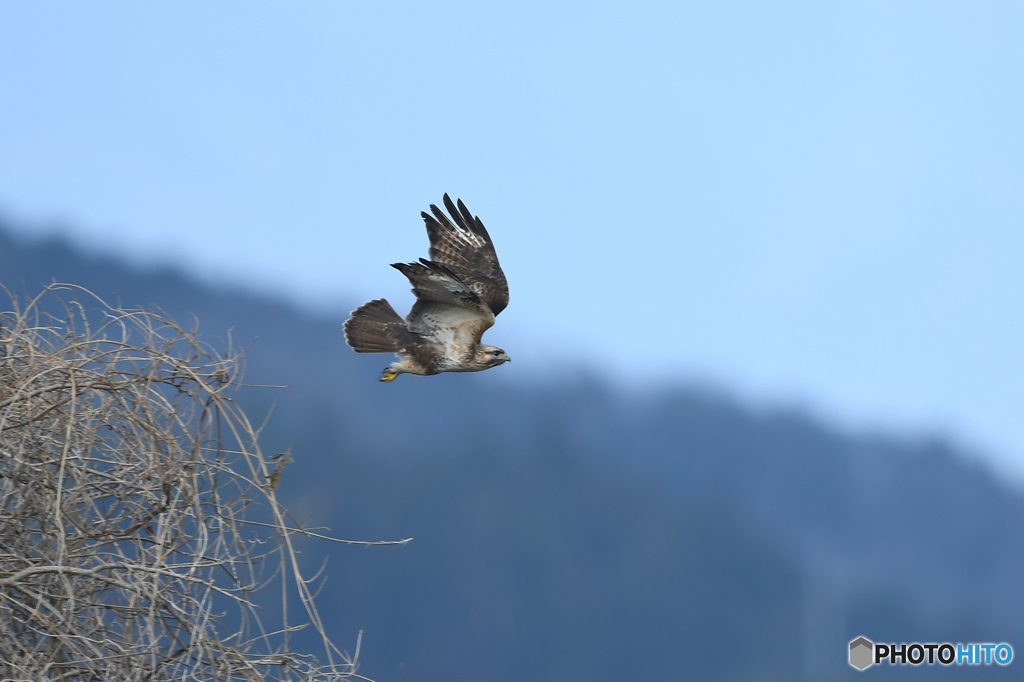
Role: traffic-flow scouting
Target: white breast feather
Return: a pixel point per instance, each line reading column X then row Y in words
column 453, row 329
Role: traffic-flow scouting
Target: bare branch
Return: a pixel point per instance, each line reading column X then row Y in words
column 127, row 476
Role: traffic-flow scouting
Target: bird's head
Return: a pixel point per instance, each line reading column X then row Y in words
column 491, row 356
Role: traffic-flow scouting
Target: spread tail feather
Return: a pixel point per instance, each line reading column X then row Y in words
column 375, row 327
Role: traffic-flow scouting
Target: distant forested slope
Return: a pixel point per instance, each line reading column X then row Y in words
column 566, row 532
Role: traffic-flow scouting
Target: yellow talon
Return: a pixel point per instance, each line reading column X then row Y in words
column 388, row 375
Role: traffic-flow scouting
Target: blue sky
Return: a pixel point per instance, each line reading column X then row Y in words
column 807, row 203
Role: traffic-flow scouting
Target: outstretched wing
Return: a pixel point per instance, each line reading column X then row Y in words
column 466, row 249
column 446, row 310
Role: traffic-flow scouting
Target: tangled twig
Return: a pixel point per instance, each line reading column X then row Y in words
column 127, row 473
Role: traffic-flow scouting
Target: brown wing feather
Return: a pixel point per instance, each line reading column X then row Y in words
column 466, row 249
column 446, row 309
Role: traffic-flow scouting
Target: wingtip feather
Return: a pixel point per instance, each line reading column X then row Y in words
column 451, row 207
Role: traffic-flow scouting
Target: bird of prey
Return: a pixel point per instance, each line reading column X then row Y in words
column 459, row 292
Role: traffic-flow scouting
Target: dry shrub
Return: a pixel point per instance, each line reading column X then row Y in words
column 127, row 471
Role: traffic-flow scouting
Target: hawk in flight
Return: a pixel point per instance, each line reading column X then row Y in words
column 459, row 292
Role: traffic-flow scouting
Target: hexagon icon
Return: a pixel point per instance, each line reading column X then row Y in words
column 862, row 653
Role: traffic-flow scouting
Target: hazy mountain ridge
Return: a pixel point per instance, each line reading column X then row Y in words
column 561, row 528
